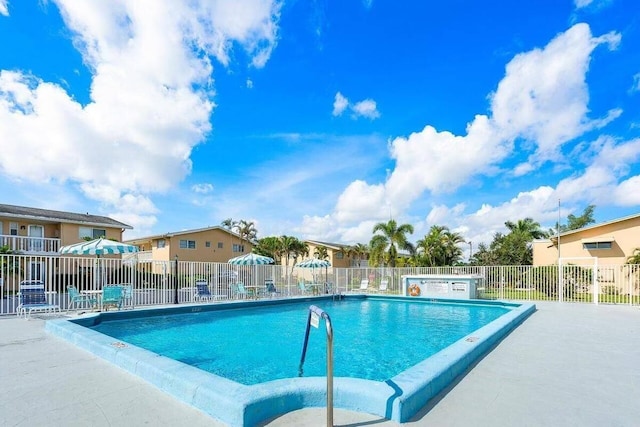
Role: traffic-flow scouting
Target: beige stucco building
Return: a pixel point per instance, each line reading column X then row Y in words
column 607, row 243
column 211, row 244
column 337, row 253
column 34, row 231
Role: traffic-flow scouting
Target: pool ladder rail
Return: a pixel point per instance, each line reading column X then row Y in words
column 315, row 314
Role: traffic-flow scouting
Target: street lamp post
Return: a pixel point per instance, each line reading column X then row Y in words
column 470, row 250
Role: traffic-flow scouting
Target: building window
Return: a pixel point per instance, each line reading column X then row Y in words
column 161, row 243
column 207, row 244
column 91, row 233
column 220, row 245
column 339, row 255
column 596, row 245
column 187, row 244
column 13, row 228
column 238, row 248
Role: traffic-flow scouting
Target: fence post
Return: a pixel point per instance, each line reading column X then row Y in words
column 175, row 282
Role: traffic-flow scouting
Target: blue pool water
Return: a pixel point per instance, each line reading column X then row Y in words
column 374, row 339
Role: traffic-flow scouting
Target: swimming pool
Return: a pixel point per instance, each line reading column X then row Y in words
column 393, row 378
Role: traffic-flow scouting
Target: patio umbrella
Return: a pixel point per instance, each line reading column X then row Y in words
column 314, row 263
column 251, row 259
column 98, row 247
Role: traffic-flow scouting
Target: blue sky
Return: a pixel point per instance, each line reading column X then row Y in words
column 321, row 118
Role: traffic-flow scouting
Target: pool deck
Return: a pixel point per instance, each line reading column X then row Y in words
column 567, row 364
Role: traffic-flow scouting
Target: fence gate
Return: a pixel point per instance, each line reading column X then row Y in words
column 578, row 281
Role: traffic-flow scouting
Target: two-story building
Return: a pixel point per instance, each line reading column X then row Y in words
column 34, row 231
column 337, row 254
column 210, row 244
column 34, row 236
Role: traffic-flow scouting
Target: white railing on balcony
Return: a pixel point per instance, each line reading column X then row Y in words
column 30, row 245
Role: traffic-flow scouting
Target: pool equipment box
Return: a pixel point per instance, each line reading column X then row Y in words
column 453, row 286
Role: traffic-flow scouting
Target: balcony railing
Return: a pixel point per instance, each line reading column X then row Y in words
column 30, row 245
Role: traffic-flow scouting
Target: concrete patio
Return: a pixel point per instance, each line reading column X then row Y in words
column 567, row 365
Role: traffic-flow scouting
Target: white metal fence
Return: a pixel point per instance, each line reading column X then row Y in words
column 159, row 282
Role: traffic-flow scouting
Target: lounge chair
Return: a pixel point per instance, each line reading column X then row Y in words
column 80, row 300
column 364, row 286
column 111, row 296
column 34, row 298
column 384, row 285
column 202, row 291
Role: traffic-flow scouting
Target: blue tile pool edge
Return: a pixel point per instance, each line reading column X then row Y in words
column 236, row 404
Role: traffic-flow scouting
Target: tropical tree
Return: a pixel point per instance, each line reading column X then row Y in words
column 635, row 257
column 247, row 231
column 229, row 223
column 292, row 248
column 439, row 247
column 359, row 251
column 452, row 250
column 392, row 238
column 269, row 246
column 509, row 249
column 321, row 252
column 576, row 222
column 527, row 227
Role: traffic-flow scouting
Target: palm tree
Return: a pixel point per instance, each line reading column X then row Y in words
column 247, row 231
column 527, row 227
column 392, row 239
column 439, row 247
column 360, row 251
column 430, row 249
column 452, row 251
column 292, row 247
column 321, row 252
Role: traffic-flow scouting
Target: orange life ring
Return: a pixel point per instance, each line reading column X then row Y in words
column 414, row 290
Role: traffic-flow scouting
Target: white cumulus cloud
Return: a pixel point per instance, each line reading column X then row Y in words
column 366, row 108
column 150, row 96
column 340, row 104
column 542, row 100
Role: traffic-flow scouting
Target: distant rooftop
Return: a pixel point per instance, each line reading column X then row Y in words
column 59, row 216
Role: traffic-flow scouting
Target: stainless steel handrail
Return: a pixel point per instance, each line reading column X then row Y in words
column 320, row 313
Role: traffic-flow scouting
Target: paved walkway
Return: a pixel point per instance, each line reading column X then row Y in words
column 567, row 365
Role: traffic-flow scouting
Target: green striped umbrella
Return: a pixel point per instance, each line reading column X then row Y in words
column 251, row 259
column 98, row 247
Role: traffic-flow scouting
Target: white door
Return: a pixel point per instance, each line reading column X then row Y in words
column 36, row 233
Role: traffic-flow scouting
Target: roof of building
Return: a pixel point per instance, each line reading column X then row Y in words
column 59, row 216
column 591, row 227
column 180, row 233
column 335, row 246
